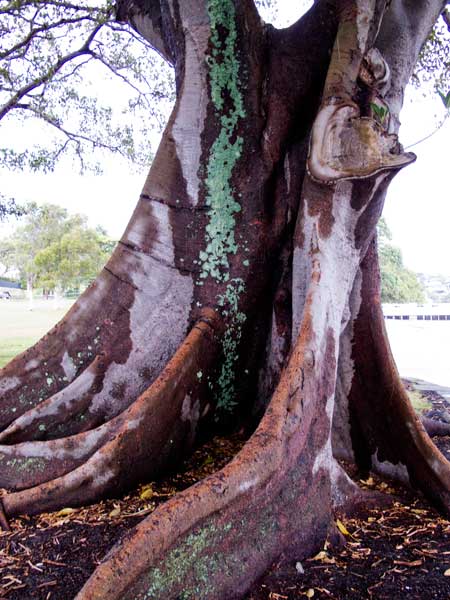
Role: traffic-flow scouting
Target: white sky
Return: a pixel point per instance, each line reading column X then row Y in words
column 417, row 208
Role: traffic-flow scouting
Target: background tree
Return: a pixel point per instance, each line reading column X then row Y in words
column 54, row 250
column 20, row 250
column 398, row 284
column 74, row 259
column 244, row 291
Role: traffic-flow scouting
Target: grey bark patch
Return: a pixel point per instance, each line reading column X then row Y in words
column 159, row 319
column 68, row 366
column 9, row 383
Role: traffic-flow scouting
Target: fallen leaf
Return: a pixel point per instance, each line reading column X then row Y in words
column 310, row 593
column 322, row 554
column 447, row 573
column 65, row 512
column 115, row 512
column 342, row 528
column 369, row 481
column 323, row 557
column 208, row 460
column 146, row 492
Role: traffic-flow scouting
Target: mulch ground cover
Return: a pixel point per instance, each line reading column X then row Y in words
column 398, row 552
column 401, row 552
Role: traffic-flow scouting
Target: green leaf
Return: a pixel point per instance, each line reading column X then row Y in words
column 445, row 98
column 380, row 111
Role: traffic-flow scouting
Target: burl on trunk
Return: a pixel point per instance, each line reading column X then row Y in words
column 245, row 289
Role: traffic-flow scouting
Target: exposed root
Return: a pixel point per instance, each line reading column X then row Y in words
column 32, row 463
column 4, row 525
column 435, row 428
column 94, row 354
column 277, row 495
column 66, row 350
column 387, row 434
column 62, row 414
column 140, row 442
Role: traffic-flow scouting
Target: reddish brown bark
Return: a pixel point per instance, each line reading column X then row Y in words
column 387, row 433
column 195, row 321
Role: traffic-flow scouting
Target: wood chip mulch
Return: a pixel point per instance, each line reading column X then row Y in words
column 401, row 552
column 391, row 553
column 396, row 553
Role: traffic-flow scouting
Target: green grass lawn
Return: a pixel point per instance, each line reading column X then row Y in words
column 21, row 327
column 419, row 401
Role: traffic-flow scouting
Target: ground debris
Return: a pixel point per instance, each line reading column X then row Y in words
column 389, row 553
column 49, row 557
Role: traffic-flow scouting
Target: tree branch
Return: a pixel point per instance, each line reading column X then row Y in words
column 24, row 43
column 147, row 19
column 117, row 73
column 402, row 35
column 47, row 76
column 72, row 136
column 14, row 7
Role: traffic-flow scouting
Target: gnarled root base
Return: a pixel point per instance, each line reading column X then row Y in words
column 278, row 495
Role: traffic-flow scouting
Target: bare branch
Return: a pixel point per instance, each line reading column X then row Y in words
column 116, row 72
column 13, row 7
column 47, row 76
column 34, row 33
column 72, row 136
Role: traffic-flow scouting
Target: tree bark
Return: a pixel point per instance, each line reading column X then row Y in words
column 244, row 285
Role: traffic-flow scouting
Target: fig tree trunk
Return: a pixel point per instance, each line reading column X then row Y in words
column 245, row 290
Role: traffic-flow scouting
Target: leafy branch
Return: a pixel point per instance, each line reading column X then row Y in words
column 445, row 99
column 53, row 53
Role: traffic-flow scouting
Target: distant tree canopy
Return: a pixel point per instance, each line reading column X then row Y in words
column 55, row 250
column 398, row 284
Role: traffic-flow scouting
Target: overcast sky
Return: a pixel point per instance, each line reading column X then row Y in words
column 417, row 208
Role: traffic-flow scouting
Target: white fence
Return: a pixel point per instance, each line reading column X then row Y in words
column 417, row 312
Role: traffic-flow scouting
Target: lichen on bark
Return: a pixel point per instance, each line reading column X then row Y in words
column 230, row 344
column 226, row 150
column 224, row 154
